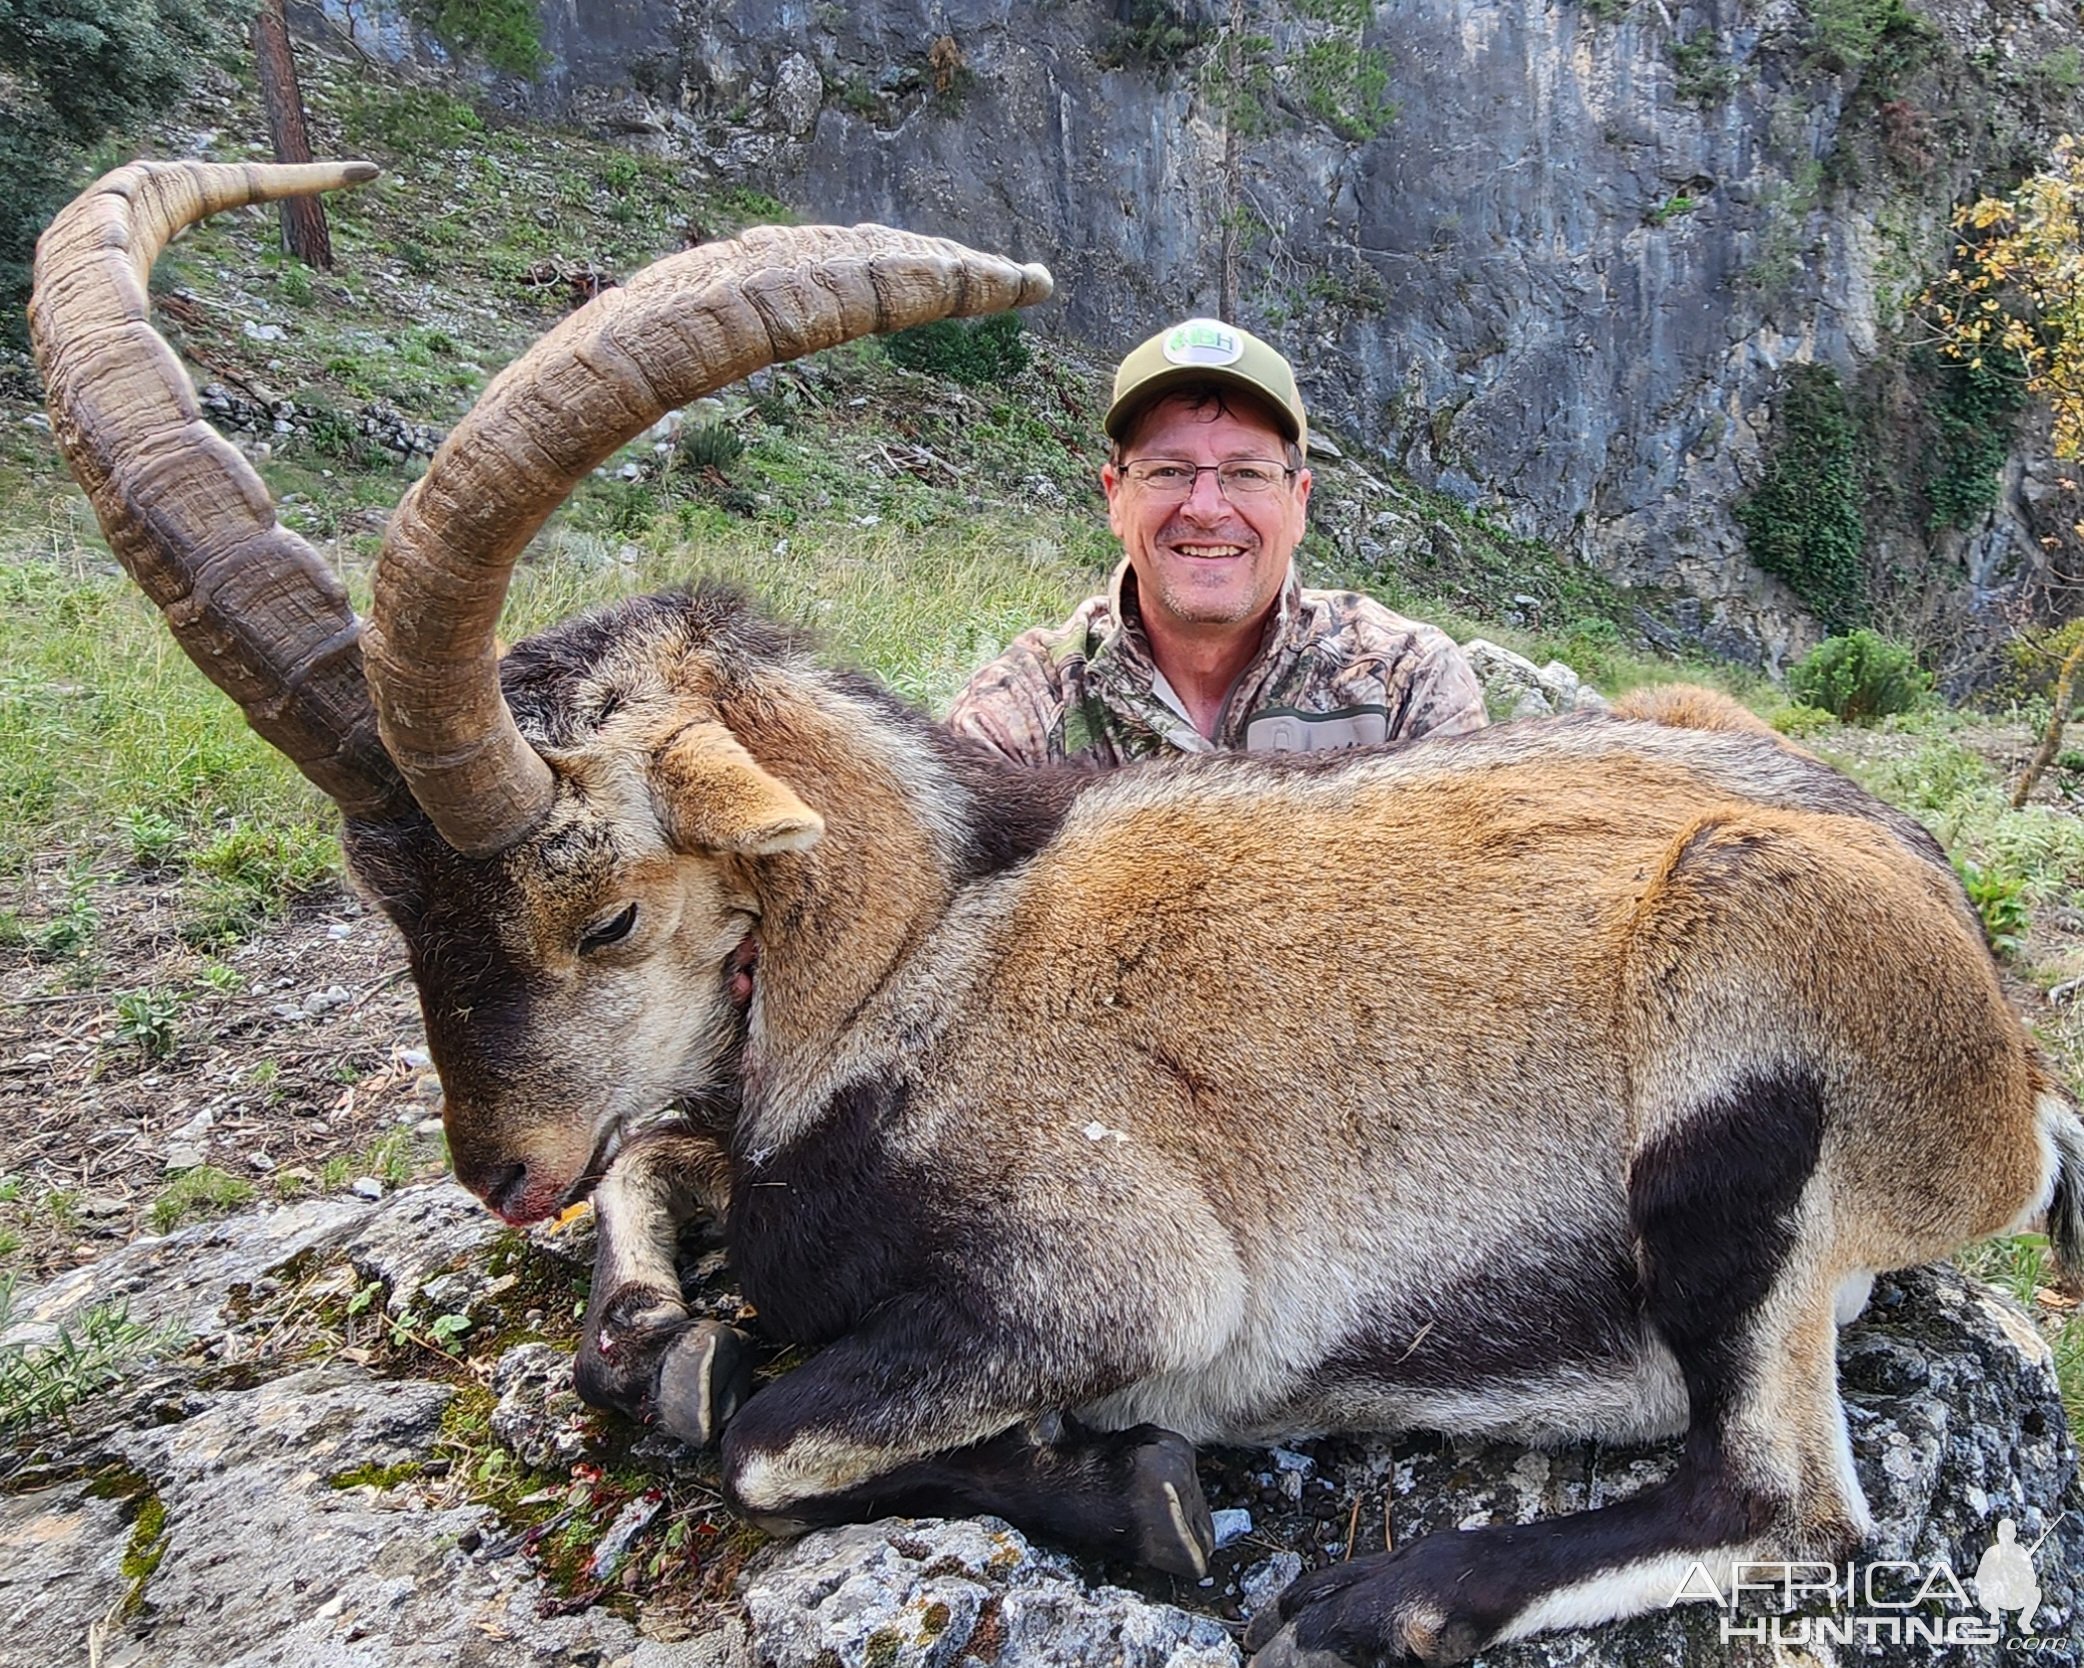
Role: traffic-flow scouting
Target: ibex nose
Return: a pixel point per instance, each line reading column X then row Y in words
column 503, row 1187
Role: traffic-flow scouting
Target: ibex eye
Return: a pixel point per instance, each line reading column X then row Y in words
column 610, row 931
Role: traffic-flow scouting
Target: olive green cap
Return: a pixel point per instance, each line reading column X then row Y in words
column 1207, row 350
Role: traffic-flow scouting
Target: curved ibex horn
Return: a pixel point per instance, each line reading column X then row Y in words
column 253, row 605
column 680, row 328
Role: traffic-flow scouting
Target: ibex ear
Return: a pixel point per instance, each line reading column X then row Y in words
column 713, row 796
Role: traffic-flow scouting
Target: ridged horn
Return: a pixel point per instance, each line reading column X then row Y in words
column 252, row 604
column 679, row 329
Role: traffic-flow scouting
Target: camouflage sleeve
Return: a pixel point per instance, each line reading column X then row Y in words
column 1445, row 698
column 1014, row 705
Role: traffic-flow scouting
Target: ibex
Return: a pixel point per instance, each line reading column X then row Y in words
column 1556, row 1081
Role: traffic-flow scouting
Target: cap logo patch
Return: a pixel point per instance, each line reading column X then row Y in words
column 1203, row 342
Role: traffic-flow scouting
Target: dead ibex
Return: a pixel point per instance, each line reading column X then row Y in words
column 1554, row 1081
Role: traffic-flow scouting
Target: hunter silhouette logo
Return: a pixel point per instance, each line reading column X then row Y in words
column 1889, row 1601
column 2005, row 1579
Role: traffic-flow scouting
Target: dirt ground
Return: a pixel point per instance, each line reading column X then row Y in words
column 306, row 1071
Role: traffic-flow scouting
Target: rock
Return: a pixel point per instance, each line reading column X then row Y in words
column 186, row 1279
column 256, row 331
column 915, row 1593
column 1952, row 1403
column 1264, row 1583
column 366, row 1187
column 539, row 1417
column 195, row 1129
column 267, row 1563
column 1232, row 1525
column 321, row 1002
column 1514, row 687
column 799, row 90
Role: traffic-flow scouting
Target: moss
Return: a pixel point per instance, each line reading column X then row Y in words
column 883, row 1648
column 146, row 1549
column 377, row 1476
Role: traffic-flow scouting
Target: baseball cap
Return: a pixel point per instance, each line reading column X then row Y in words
column 1207, row 350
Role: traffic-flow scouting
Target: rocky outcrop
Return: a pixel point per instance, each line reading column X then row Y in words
column 1564, row 283
column 265, row 1492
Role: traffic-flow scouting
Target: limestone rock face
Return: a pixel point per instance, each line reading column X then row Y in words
column 246, row 1508
column 1564, row 284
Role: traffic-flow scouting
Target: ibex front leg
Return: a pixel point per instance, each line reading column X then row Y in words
column 915, row 1414
column 642, row 1353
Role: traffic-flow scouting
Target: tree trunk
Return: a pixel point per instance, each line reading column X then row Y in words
column 1233, row 147
column 304, row 231
column 2051, row 737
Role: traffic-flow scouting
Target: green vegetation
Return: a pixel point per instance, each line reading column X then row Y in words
column 1701, row 72
column 981, row 354
column 203, row 1191
column 1804, row 524
column 502, row 33
column 1153, row 35
column 1975, row 408
column 42, row 1382
column 145, row 1020
column 1858, row 678
column 1848, row 37
column 2021, row 1267
column 2000, row 903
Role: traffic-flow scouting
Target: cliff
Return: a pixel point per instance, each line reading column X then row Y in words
column 1558, row 265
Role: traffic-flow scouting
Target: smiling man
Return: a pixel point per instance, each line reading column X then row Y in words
column 1205, row 641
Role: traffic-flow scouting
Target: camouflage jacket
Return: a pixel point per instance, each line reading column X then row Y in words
column 1336, row 670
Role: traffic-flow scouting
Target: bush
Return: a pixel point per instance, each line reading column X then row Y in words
column 977, row 355
column 1858, row 678
column 2000, row 902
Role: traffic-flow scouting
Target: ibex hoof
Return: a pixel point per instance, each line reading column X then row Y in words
column 703, row 1381
column 1173, row 1530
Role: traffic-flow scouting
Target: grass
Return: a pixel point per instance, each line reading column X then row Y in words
column 43, row 1382
column 2019, row 1267
column 203, row 1191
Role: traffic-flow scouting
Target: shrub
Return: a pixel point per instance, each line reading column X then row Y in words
column 1799, row 721
column 1975, row 407
column 1858, row 678
column 708, row 446
column 978, row 355
column 2000, row 901
column 1804, row 524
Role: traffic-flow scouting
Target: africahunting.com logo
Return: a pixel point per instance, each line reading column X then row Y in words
column 1889, row 1602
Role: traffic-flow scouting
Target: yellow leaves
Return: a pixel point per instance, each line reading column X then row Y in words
column 2021, row 279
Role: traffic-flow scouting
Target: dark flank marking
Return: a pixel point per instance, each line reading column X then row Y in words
column 1711, row 1206
column 835, row 1224
column 1575, row 1304
column 1131, row 1494
column 1711, row 1203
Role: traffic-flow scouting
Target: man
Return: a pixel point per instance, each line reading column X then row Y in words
column 1206, row 641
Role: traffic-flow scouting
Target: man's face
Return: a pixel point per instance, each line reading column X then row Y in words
column 1206, row 562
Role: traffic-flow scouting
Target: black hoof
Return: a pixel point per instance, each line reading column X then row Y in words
column 1173, row 1531
column 703, row 1381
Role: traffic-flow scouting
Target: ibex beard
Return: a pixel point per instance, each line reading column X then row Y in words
column 1557, row 1081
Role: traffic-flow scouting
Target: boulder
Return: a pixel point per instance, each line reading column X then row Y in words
column 1514, row 687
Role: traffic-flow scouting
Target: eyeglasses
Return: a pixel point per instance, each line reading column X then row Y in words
column 1172, row 480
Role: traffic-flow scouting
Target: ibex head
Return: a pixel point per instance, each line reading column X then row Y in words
column 562, row 836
